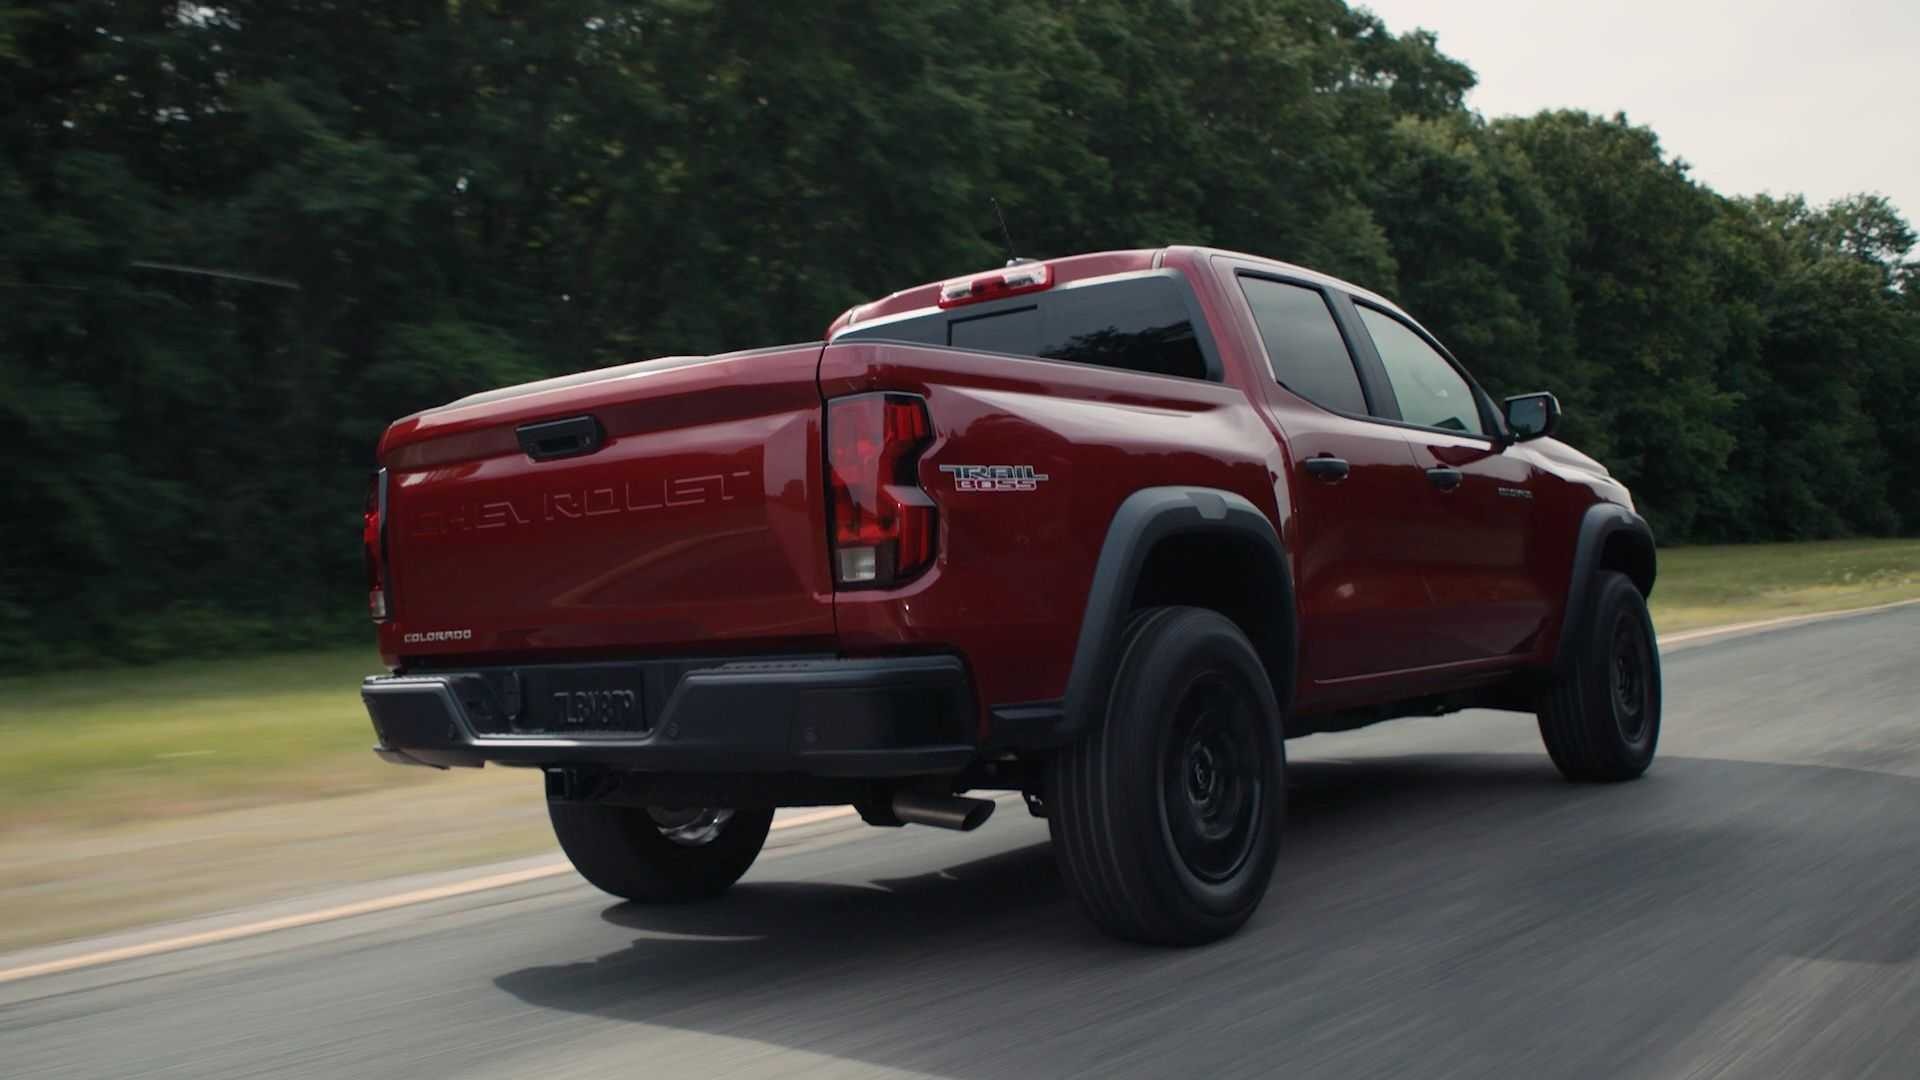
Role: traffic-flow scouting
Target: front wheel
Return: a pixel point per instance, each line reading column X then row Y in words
column 655, row 855
column 1601, row 717
column 1166, row 818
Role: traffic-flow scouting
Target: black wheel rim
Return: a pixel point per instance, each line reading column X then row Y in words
column 1628, row 666
column 1212, row 783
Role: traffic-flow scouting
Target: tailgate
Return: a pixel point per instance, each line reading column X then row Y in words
column 675, row 504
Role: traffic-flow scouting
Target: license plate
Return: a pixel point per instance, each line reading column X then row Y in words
column 579, row 700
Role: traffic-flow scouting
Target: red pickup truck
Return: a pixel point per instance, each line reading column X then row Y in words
column 1104, row 530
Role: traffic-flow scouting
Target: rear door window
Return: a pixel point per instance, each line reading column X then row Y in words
column 1304, row 346
column 1142, row 324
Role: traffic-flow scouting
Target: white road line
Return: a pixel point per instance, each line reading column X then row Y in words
column 343, row 911
column 1781, row 623
column 286, row 922
column 537, row 873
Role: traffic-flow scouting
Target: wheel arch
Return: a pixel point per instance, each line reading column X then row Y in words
column 1150, row 557
column 1611, row 537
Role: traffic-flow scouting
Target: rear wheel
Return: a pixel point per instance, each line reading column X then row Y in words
column 1166, row 818
column 658, row 855
column 1601, row 718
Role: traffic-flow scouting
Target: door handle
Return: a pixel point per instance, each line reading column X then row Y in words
column 1327, row 469
column 1445, row 479
column 572, row 437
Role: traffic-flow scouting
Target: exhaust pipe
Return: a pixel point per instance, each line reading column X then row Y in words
column 941, row 811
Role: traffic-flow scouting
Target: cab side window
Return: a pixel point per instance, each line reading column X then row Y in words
column 1304, row 346
column 1431, row 393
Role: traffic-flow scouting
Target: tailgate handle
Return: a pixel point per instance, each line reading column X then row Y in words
column 551, row 439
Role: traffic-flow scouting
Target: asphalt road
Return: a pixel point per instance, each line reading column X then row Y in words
column 1447, row 907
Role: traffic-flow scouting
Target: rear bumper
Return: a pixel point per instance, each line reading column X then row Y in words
column 897, row 716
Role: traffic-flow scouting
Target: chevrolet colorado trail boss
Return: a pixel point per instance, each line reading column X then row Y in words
column 1104, row 530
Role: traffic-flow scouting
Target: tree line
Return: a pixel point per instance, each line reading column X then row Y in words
column 236, row 239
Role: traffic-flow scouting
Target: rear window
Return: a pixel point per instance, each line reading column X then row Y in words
column 1139, row 324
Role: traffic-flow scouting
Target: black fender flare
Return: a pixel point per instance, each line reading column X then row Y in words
column 1143, row 519
column 1599, row 524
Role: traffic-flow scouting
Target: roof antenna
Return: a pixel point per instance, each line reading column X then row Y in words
column 1013, row 259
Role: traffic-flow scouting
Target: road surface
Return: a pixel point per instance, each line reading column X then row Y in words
column 1446, row 907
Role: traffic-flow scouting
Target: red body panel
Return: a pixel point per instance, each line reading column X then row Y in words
column 1356, row 578
column 1015, row 566
column 700, row 527
column 1401, row 589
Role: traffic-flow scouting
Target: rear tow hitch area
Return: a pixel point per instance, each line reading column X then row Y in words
column 879, row 804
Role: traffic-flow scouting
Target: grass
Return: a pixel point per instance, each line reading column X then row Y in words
column 1708, row 586
column 139, row 795
column 97, row 747
column 60, row 882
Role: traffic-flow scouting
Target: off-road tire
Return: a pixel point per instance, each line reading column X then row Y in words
column 1192, row 725
column 621, row 850
column 1600, row 718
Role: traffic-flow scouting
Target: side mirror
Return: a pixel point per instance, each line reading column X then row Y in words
column 1532, row 416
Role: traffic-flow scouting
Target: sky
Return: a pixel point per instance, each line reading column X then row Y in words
column 1779, row 96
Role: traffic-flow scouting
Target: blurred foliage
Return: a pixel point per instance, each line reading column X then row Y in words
column 423, row 199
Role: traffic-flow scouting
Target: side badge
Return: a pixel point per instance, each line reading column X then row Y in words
column 994, row 477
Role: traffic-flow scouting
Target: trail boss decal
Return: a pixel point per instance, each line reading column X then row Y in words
column 993, row 477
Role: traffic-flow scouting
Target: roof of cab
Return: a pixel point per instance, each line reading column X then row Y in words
column 1066, row 269
column 1294, row 270
column 924, row 298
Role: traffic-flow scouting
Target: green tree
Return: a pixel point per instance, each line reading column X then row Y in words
column 1647, row 331
column 1482, row 253
column 237, row 239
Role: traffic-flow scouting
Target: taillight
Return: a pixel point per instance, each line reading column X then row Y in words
column 883, row 524
column 373, row 541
